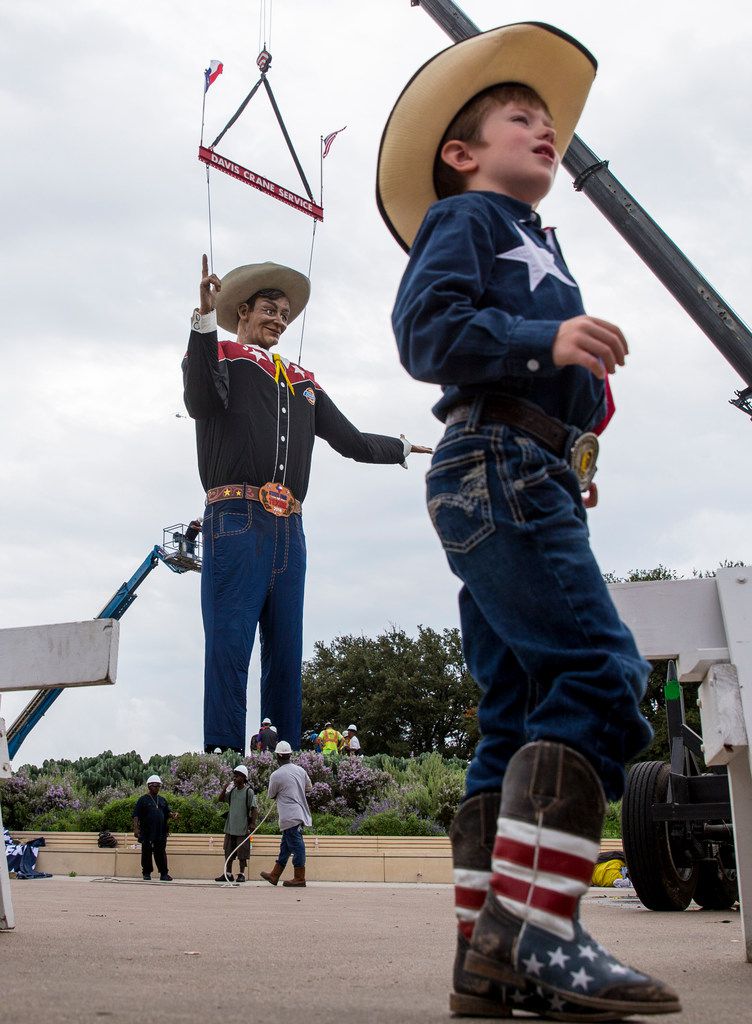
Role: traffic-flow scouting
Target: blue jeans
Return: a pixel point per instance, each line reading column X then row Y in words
column 253, row 574
column 292, row 845
column 540, row 633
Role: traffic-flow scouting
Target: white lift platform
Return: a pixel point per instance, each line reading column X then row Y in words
column 706, row 626
column 45, row 658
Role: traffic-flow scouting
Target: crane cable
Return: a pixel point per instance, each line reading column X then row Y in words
column 264, row 63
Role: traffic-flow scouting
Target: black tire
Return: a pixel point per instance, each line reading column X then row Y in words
column 717, row 887
column 658, row 882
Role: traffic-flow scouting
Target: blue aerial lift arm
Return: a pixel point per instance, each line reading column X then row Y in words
column 121, row 600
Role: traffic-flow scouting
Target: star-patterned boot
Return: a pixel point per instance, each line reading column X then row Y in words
column 472, row 835
column 529, row 932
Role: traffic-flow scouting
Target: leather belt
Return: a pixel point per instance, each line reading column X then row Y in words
column 579, row 449
column 276, row 498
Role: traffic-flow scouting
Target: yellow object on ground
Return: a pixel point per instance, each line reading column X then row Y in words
column 607, row 872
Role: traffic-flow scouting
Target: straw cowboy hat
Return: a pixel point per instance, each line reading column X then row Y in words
column 547, row 60
column 243, row 282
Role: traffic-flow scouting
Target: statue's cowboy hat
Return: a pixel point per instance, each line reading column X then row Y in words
column 243, row 282
column 544, row 58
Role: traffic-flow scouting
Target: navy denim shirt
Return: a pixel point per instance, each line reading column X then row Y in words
column 480, row 303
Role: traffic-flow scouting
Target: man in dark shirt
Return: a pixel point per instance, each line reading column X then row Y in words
column 150, row 817
column 257, row 416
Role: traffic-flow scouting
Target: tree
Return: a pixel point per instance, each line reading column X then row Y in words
column 406, row 695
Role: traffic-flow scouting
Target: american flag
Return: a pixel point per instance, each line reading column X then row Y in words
column 327, row 142
column 212, row 73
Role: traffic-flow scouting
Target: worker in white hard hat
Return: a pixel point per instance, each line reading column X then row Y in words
column 150, row 826
column 353, row 743
column 288, row 785
column 239, row 823
column 257, row 739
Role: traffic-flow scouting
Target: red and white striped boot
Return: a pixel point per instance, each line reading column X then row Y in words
column 528, row 932
column 472, row 835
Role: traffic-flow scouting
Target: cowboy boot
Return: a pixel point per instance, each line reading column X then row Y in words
column 472, row 836
column 298, row 881
column 529, row 932
column 273, row 875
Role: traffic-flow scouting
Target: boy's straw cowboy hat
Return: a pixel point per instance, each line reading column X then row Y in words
column 243, row 282
column 547, row 60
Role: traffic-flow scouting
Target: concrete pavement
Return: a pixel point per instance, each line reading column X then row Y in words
column 86, row 951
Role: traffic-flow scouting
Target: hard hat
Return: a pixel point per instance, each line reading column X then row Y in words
column 272, row 728
column 267, row 721
column 352, row 728
column 283, row 747
column 153, row 778
column 242, row 769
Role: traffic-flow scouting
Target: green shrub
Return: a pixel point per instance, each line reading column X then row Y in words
column 612, row 824
column 54, row 821
column 195, row 814
column 90, row 820
column 331, row 825
column 117, row 815
column 392, row 823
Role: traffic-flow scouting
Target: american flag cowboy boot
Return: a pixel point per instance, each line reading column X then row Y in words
column 472, row 835
column 529, row 932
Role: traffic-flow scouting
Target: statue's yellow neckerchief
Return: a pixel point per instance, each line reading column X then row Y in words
column 279, row 368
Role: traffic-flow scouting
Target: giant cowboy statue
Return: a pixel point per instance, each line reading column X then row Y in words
column 257, row 416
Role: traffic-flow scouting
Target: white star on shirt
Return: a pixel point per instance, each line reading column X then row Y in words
column 557, row 958
column 533, row 965
column 556, row 1003
column 258, row 356
column 518, row 997
column 580, row 979
column 540, row 262
column 587, row 953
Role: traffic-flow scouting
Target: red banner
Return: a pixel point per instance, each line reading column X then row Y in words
column 208, row 156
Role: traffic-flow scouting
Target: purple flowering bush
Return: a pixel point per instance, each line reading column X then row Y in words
column 351, row 795
column 58, row 796
column 201, row 775
column 317, row 767
column 260, row 765
column 359, row 784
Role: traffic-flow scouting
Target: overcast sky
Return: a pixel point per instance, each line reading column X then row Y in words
column 104, row 214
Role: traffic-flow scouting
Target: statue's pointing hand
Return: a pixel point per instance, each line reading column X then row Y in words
column 210, row 285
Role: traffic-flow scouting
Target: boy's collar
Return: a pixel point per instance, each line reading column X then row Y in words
column 521, row 210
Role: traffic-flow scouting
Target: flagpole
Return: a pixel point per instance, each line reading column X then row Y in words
column 203, row 111
column 321, row 173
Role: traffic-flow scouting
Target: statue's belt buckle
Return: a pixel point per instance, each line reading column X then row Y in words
column 583, row 456
column 277, row 499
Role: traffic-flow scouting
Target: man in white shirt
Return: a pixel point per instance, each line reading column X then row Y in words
column 288, row 785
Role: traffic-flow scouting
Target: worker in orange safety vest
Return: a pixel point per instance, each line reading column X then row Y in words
column 329, row 739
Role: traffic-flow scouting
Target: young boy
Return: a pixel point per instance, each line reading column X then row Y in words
column 488, row 309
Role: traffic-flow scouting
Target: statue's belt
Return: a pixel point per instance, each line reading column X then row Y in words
column 578, row 449
column 275, row 498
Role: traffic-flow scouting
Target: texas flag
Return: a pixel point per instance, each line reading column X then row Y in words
column 212, row 73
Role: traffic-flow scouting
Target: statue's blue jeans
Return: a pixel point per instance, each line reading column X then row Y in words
column 541, row 635
column 253, row 574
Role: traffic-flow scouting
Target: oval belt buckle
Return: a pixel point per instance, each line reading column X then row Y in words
column 277, row 499
column 583, row 456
